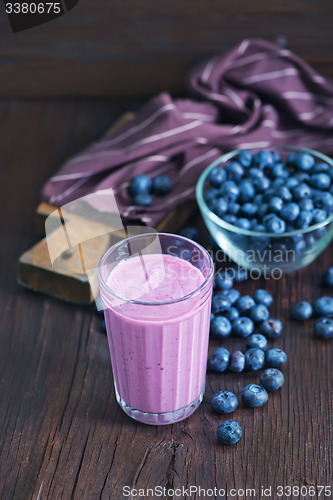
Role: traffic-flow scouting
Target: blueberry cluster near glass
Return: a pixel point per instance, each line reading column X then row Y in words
column 142, row 188
column 269, row 209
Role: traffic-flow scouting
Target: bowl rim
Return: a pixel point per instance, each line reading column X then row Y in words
column 249, row 232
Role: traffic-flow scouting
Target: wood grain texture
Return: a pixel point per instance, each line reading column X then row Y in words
column 62, row 434
column 140, row 47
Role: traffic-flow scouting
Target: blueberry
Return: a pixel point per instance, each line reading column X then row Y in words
column 318, row 215
column 245, row 157
column 328, row 278
column 190, row 232
column 275, row 204
column 261, row 184
column 220, row 304
column 229, row 432
column 303, row 220
column 275, row 358
column 324, row 201
column 303, row 161
column 220, row 327
column 310, row 240
column 301, row 177
column 263, row 297
column 232, row 314
column 262, row 210
column 142, row 200
column 224, row 402
column 217, row 176
column 259, row 313
column 301, row 191
column 320, row 181
column 320, row 167
column 272, row 379
column 242, row 327
column 230, row 218
column 238, row 274
column 279, row 171
column 162, row 185
column 234, row 170
column 223, row 280
column 237, row 362
column 233, row 208
column 243, row 223
column 302, row 310
column 276, row 157
column 278, row 183
column 210, row 197
column 254, row 359
column 292, row 182
column 290, row 212
column 324, row 306
column 244, row 304
column 284, row 193
column 220, row 207
column 249, row 209
column 254, row 395
column 140, row 184
column 256, row 172
column 256, row 340
column 324, row 328
column 271, row 328
column 276, row 226
column 232, row 294
column 219, row 360
column 230, row 190
column 246, row 191
column 263, row 159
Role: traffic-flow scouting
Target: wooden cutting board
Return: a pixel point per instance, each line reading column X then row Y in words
column 67, row 277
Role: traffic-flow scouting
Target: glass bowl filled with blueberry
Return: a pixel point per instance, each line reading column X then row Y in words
column 269, row 210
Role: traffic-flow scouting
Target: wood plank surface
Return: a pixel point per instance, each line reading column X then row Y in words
column 136, row 47
column 62, row 434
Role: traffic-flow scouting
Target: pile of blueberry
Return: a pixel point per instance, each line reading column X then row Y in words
column 263, row 193
column 322, row 309
column 142, row 188
column 237, row 315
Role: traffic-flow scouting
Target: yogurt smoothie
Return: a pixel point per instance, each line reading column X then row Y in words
column 158, row 335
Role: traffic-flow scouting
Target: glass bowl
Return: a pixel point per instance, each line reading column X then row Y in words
column 263, row 252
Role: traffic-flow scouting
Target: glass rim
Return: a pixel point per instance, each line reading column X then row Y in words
column 248, row 232
column 195, row 292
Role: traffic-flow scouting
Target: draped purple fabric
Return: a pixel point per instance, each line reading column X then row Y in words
column 256, row 95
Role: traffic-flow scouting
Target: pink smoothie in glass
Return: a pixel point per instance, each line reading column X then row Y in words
column 159, row 348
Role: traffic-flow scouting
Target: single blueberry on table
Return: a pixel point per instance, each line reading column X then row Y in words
column 324, row 306
column 142, row 200
column 229, row 432
column 161, row 185
column 244, row 304
column 232, row 314
column 140, row 184
column 242, row 327
column 256, row 340
column 254, row 359
column 232, row 294
column 220, row 327
column 219, row 360
column 217, row 176
column 224, row 402
column 237, row 362
column 261, row 296
column 272, row 379
column 275, row 358
column 324, row 328
column 245, row 157
column 259, row 313
column 302, row 310
column 223, row 280
column 254, row 395
column 220, row 304
column 190, row 232
column 328, row 278
column 271, row 328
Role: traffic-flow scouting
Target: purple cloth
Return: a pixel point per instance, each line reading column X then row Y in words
column 256, row 95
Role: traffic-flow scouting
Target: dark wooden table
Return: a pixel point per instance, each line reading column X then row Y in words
column 62, row 432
